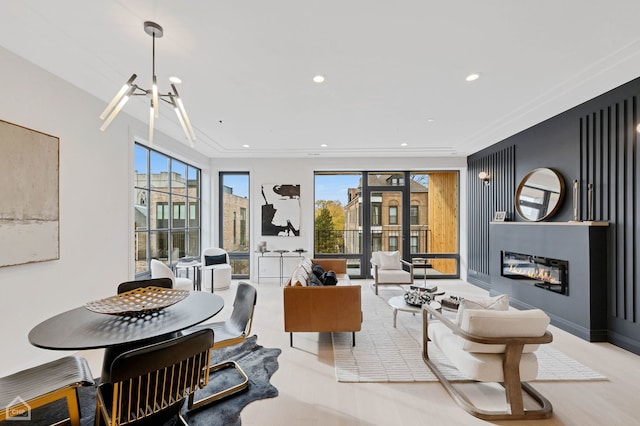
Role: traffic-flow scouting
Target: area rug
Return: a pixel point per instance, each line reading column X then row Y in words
column 387, row 354
column 258, row 362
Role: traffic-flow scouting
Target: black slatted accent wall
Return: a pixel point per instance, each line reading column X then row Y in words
column 484, row 201
column 609, row 161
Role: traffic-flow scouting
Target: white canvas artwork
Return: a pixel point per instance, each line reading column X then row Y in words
column 29, row 206
column 281, row 210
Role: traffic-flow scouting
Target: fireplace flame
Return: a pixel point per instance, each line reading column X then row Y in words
column 538, row 274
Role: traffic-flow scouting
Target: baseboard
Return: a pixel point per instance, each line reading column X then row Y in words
column 624, row 342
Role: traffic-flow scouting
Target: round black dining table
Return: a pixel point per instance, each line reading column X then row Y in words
column 81, row 328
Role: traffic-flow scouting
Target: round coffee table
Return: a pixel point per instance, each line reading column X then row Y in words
column 398, row 304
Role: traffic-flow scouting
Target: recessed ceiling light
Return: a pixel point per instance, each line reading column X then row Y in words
column 245, row 146
column 319, row 78
column 472, row 77
column 430, row 120
column 324, row 145
column 175, row 79
column 404, row 144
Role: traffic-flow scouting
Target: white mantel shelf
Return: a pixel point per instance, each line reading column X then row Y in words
column 584, row 223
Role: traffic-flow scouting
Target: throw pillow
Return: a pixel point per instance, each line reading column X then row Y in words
column 215, row 260
column 497, row 303
column 318, row 270
column 329, row 278
column 390, row 260
column 314, row 281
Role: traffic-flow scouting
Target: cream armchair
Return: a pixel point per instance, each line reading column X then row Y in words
column 388, row 268
column 491, row 346
column 160, row 270
column 217, row 267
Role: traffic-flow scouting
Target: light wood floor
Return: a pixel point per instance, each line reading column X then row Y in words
column 310, row 395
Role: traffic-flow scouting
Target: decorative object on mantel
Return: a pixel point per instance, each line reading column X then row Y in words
column 590, row 202
column 499, row 216
column 576, row 187
column 29, row 211
column 539, row 194
column 130, row 89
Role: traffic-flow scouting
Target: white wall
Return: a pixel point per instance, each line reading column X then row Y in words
column 95, row 209
column 301, row 171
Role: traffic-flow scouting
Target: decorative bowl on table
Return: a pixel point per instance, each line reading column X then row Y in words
column 141, row 301
column 416, row 297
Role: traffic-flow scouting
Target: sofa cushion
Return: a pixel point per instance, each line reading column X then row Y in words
column 485, row 367
column 314, row 281
column 215, row 260
column 496, row 303
column 492, row 323
column 329, row 278
column 318, row 270
column 389, row 260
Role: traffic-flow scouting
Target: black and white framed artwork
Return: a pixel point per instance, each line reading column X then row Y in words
column 281, row 210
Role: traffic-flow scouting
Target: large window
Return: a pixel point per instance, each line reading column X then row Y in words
column 165, row 190
column 415, row 213
column 234, row 220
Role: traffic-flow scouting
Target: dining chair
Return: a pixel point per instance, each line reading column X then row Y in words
column 41, row 385
column 160, row 270
column 230, row 332
column 149, row 384
column 153, row 282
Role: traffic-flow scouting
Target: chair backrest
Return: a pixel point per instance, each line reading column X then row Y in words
column 387, row 259
column 156, row 378
column 214, row 251
column 153, row 282
column 160, row 270
column 495, row 323
column 243, row 307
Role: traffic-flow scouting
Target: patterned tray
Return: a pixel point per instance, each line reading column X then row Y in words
column 138, row 302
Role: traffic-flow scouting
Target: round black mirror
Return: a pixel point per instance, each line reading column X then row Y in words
column 539, row 194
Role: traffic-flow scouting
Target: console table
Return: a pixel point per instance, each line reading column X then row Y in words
column 280, row 256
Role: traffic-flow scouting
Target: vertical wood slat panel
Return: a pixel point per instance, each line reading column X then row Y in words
column 484, row 201
column 609, row 160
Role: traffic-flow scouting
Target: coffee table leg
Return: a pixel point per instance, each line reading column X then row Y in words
column 395, row 314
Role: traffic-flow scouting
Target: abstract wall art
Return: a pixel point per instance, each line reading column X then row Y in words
column 281, row 210
column 29, row 196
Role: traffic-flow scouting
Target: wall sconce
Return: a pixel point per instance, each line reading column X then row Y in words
column 484, row 176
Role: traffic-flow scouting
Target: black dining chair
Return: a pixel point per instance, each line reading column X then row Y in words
column 230, row 332
column 149, row 384
column 44, row 384
column 152, row 282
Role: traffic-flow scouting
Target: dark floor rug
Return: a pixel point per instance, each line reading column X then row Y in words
column 258, row 363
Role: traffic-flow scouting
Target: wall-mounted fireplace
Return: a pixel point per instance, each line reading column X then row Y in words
column 543, row 272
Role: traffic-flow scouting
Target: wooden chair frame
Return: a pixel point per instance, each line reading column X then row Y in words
column 511, row 372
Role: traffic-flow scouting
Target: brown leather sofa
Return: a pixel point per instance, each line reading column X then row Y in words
column 323, row 308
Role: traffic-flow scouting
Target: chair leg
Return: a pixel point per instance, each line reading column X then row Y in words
column 353, row 333
column 291, row 339
column 244, row 384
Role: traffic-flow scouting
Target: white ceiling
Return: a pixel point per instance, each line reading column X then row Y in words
column 391, row 67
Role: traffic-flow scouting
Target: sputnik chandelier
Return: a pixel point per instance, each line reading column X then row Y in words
column 130, row 89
